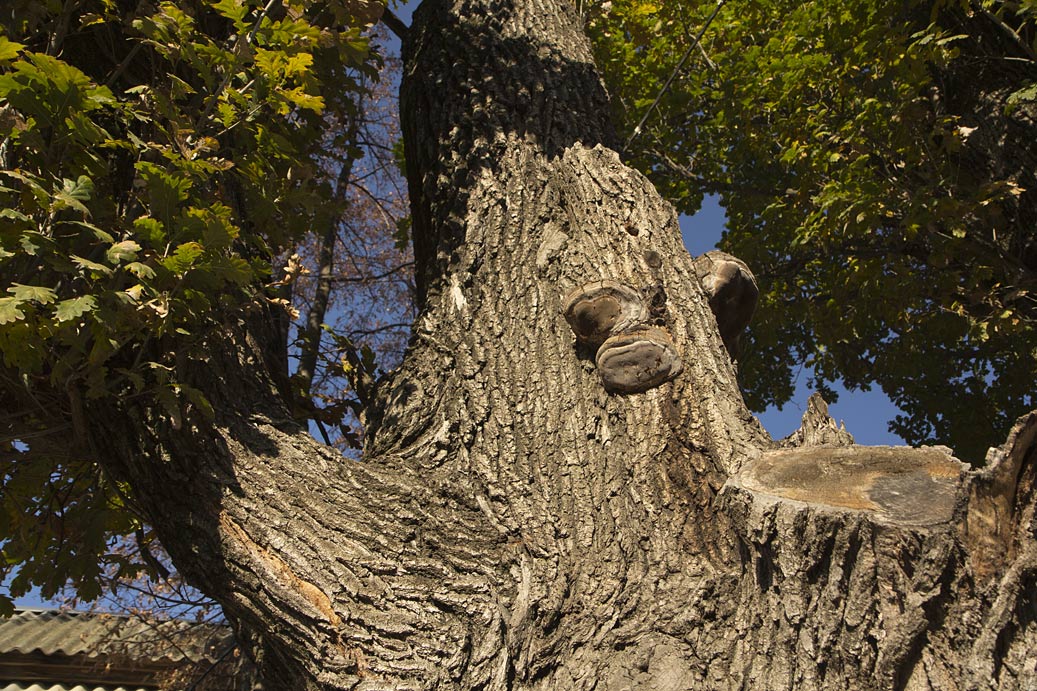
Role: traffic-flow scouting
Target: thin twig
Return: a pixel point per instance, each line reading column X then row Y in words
column 220, row 659
column 323, row 432
column 1015, row 37
column 380, row 329
column 311, row 334
column 371, row 279
column 214, row 99
column 673, row 75
column 705, row 56
column 121, row 67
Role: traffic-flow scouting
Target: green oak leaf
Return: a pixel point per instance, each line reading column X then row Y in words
column 75, row 307
column 39, row 294
column 9, row 311
column 123, row 251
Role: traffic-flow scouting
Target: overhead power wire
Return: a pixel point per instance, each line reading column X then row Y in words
column 673, row 75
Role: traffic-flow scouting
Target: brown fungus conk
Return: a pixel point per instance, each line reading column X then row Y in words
column 597, row 310
column 637, row 360
column 732, row 291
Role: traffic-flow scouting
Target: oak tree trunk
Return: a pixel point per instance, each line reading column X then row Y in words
column 514, row 524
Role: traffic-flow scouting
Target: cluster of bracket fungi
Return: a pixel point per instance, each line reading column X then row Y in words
column 632, row 354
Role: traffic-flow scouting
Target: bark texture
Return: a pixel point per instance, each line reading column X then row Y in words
column 514, row 525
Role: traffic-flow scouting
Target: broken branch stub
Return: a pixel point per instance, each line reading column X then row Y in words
column 598, row 310
column 818, row 428
column 637, row 360
column 732, row 291
column 1001, row 505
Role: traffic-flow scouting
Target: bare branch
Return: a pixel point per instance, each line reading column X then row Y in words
column 395, row 24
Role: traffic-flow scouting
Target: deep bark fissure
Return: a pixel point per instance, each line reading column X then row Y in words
column 514, row 525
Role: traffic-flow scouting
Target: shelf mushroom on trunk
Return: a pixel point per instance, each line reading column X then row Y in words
column 637, row 360
column 732, row 291
column 600, row 309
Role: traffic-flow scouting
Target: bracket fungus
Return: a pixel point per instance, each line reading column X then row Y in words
column 600, row 309
column 637, row 360
column 732, row 291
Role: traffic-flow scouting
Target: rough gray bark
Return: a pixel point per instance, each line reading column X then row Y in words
column 513, row 525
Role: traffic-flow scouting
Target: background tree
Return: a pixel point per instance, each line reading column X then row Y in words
column 356, row 296
column 544, row 501
column 876, row 163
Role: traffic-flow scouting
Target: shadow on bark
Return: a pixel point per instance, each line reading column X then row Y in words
column 464, row 115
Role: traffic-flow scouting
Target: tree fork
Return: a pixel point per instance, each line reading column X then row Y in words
column 514, row 524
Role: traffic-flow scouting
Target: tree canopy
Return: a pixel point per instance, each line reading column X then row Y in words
column 156, row 162
column 876, row 162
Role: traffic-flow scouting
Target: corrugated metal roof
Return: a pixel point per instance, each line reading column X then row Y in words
column 60, row 687
column 53, row 632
